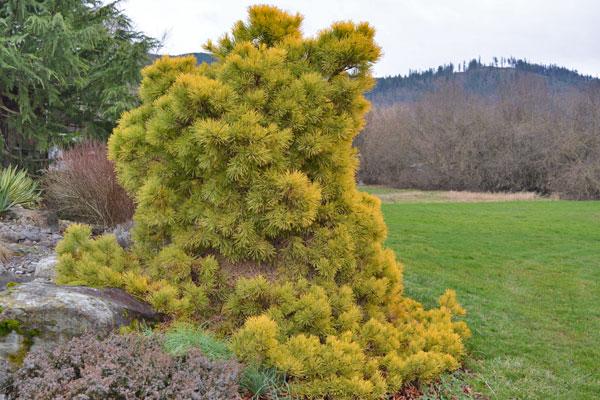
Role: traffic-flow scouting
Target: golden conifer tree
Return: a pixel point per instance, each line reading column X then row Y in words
column 248, row 215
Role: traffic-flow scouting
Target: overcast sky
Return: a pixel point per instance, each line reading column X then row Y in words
column 414, row 34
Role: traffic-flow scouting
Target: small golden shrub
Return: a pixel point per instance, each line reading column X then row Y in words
column 248, row 216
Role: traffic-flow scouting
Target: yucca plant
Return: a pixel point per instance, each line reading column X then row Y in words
column 16, row 188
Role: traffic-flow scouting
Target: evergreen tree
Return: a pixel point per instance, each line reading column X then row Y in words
column 248, row 217
column 67, row 68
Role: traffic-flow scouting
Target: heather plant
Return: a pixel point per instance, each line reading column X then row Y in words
column 122, row 367
column 248, row 217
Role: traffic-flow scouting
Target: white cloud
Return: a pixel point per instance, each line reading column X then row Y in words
column 414, row 34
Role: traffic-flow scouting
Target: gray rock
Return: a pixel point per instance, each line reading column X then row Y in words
column 58, row 313
column 123, row 234
column 10, row 278
column 10, row 344
column 6, row 379
column 37, row 217
column 46, row 268
column 22, row 233
column 26, row 252
column 32, row 234
column 11, row 236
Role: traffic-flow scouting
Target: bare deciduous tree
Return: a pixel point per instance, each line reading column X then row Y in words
column 527, row 136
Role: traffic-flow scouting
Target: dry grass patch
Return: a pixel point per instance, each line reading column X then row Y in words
column 5, row 253
column 388, row 195
column 481, row 196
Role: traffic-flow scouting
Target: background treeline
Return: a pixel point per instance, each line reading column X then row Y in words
column 490, row 128
column 68, row 69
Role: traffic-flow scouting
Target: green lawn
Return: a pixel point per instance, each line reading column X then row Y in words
column 528, row 272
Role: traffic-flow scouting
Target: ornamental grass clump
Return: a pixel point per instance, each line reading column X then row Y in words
column 249, row 220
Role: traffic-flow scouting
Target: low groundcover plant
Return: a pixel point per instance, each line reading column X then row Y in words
column 122, row 367
column 249, row 221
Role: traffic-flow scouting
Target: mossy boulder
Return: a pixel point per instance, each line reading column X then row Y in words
column 39, row 312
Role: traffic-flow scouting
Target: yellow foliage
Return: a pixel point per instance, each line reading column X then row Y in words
column 248, row 215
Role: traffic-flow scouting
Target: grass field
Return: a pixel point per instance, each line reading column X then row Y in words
column 528, row 273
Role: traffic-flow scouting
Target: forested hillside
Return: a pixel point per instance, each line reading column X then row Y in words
column 475, row 77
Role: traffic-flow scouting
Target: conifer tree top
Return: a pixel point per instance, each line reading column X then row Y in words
column 255, row 149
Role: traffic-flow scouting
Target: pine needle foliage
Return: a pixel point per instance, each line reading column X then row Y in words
column 248, row 216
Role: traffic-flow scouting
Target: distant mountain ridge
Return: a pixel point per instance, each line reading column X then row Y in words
column 474, row 76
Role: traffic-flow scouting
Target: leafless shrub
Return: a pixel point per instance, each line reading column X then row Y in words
column 580, row 181
column 82, row 186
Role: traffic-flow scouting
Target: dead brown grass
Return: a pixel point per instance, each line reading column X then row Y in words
column 416, row 196
column 5, row 253
column 247, row 269
column 478, row 196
